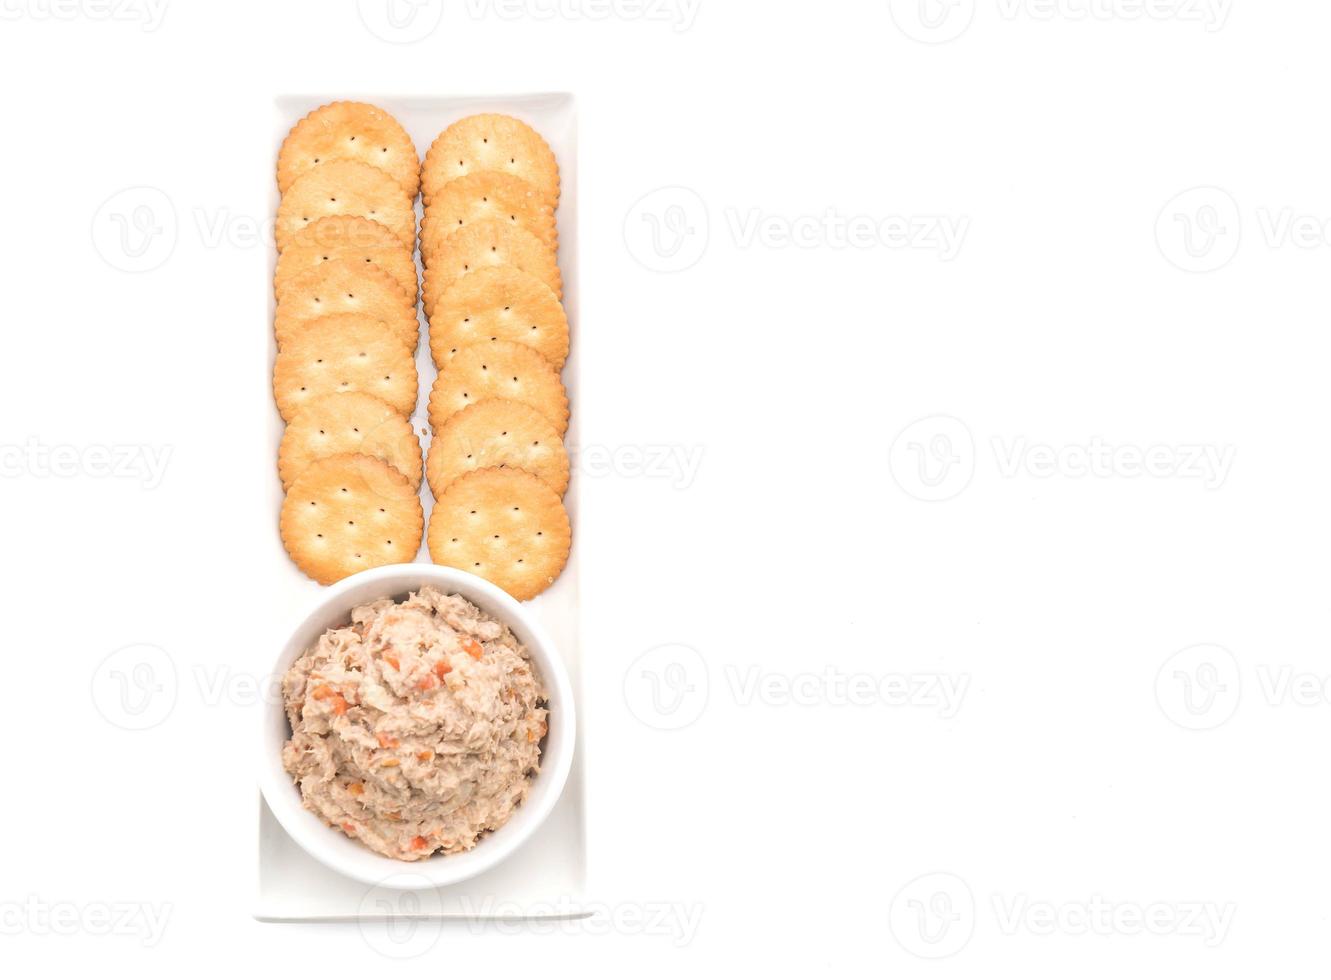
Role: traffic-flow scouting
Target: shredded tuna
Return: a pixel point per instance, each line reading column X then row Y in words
column 406, row 740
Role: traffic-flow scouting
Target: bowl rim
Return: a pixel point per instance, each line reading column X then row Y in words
column 365, row 865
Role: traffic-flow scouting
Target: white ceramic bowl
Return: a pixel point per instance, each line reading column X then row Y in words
column 353, row 859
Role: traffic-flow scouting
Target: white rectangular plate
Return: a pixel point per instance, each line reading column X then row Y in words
column 549, row 872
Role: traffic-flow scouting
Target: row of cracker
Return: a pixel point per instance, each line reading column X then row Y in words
column 345, row 379
column 346, row 325
column 499, row 338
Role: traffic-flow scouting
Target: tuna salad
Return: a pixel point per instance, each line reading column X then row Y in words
column 417, row 728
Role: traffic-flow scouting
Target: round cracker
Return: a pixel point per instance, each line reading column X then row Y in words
column 490, row 141
column 346, row 187
column 482, row 195
column 347, row 513
column 346, row 286
column 344, row 236
column 499, row 303
column 348, row 422
column 497, row 432
column 344, row 352
column 504, row 525
column 488, row 243
column 349, row 131
column 502, row 369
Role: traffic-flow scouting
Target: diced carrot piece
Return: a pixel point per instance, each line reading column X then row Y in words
column 387, row 741
column 427, row 683
column 393, row 661
column 356, row 789
column 321, row 692
column 472, row 647
column 419, row 843
column 442, row 668
column 339, row 705
column 425, row 756
column 349, row 828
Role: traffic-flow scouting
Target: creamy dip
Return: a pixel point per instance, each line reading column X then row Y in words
column 417, row 728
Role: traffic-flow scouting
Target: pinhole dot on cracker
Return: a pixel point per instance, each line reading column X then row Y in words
column 499, row 303
column 348, row 422
column 349, row 131
column 490, row 141
column 347, row 513
column 481, row 245
column 346, row 286
column 502, row 369
column 483, row 195
column 345, row 187
column 497, row 432
column 344, row 352
column 347, row 237
column 504, row 525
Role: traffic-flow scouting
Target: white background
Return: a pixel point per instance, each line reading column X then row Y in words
column 1095, row 759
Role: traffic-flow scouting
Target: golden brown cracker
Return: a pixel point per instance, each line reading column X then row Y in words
column 482, row 195
column 347, row 513
column 502, row 369
column 483, row 244
column 344, row 352
column 490, row 141
column 497, row 432
column 346, row 187
column 348, row 422
column 347, row 237
column 346, row 286
column 499, row 303
column 504, row 525
column 349, row 131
